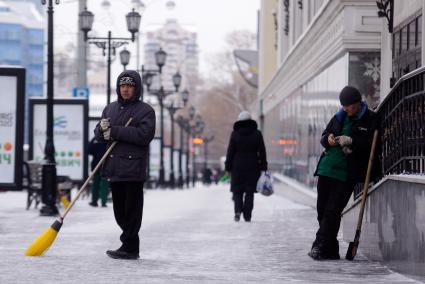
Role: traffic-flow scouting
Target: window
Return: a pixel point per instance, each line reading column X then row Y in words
column 396, row 37
column 404, row 39
column 419, row 31
column 407, row 45
column 412, row 35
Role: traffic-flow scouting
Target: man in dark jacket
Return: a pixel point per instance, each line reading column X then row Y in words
column 246, row 158
column 347, row 140
column 125, row 167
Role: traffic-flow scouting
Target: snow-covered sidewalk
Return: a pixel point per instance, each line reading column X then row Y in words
column 188, row 236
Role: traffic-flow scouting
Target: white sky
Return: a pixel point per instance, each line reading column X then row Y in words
column 211, row 19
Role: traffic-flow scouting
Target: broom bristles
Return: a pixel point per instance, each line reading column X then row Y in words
column 44, row 241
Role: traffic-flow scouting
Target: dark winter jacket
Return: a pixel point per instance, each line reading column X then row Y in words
column 128, row 160
column 97, row 150
column 246, row 156
column 362, row 130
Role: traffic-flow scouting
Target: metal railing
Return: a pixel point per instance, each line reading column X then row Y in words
column 402, row 115
column 403, row 120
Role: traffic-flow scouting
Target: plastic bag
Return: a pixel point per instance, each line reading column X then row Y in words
column 265, row 183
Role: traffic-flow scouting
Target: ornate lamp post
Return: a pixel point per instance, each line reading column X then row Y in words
column 196, row 129
column 161, row 94
column 207, row 140
column 49, row 164
column 172, row 111
column 183, row 123
column 109, row 44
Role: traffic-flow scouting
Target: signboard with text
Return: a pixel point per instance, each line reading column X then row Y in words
column 12, row 94
column 69, row 134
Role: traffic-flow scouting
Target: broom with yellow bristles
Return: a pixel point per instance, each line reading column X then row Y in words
column 46, row 239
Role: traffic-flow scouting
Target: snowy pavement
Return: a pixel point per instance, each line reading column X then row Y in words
column 188, row 236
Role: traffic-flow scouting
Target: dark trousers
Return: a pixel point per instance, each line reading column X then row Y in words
column 244, row 203
column 332, row 197
column 127, row 200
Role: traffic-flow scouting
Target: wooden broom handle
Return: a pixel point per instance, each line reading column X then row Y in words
column 366, row 183
column 99, row 164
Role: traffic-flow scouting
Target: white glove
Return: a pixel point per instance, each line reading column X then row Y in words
column 107, row 134
column 344, row 140
column 105, row 124
column 347, row 150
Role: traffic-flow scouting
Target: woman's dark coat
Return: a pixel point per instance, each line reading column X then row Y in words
column 128, row 160
column 362, row 130
column 246, row 156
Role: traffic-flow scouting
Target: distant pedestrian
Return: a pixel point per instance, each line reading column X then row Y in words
column 347, row 140
column 125, row 167
column 100, row 187
column 206, row 176
column 246, row 158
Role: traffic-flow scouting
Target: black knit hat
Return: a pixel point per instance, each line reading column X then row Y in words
column 349, row 95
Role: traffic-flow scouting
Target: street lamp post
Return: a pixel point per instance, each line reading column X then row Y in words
column 109, row 44
column 161, row 94
column 182, row 124
column 49, row 194
column 196, row 129
column 172, row 110
column 206, row 140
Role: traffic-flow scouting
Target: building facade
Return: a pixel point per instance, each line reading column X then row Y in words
column 182, row 53
column 22, row 43
column 320, row 46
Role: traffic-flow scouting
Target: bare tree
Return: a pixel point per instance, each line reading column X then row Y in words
column 227, row 93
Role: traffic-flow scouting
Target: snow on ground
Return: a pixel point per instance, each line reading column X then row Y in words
column 188, row 236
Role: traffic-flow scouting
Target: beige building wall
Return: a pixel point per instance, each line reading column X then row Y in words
column 268, row 42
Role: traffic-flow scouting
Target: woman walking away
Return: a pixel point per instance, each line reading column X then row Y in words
column 246, row 158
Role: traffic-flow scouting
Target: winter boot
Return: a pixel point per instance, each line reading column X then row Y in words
column 120, row 254
column 237, row 217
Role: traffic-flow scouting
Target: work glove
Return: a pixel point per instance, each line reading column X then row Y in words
column 344, row 140
column 347, row 150
column 107, row 134
column 105, row 124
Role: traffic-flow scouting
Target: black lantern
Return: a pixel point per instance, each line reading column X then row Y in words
column 185, row 96
column 86, row 21
column 124, row 57
column 177, row 79
column 133, row 23
column 160, row 57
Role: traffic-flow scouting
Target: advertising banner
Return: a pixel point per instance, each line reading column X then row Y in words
column 69, row 133
column 12, row 94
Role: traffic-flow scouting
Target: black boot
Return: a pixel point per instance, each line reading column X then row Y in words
column 47, row 210
column 237, row 217
column 120, row 254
